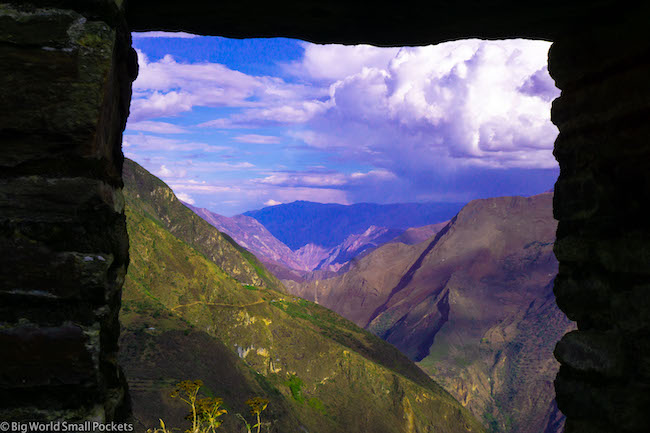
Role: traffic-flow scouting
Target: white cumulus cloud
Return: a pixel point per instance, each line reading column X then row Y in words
column 185, row 197
column 465, row 103
column 167, row 87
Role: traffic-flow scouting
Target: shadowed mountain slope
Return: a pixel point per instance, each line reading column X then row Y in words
column 184, row 317
column 415, row 235
column 474, row 305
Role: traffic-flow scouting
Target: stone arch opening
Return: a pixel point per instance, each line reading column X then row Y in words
column 66, row 73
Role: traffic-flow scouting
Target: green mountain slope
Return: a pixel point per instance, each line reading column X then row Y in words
column 184, row 317
column 153, row 198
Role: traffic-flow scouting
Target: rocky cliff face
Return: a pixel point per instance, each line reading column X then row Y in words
column 474, row 305
column 319, row 258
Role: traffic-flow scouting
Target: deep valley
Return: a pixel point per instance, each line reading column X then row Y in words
column 469, row 299
column 197, row 306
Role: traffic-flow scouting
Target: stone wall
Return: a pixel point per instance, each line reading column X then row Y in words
column 603, row 237
column 65, row 85
column 408, row 22
column 66, row 68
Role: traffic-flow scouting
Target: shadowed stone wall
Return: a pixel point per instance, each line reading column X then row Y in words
column 65, row 87
column 66, row 68
column 603, row 237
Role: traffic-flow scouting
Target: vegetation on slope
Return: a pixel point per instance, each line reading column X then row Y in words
column 153, row 198
column 184, row 317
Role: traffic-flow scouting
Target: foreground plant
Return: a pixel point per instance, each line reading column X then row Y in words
column 204, row 413
column 257, row 405
column 162, row 428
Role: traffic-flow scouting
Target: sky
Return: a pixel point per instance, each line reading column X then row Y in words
column 236, row 125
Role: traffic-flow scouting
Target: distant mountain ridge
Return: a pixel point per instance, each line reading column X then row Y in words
column 301, row 223
column 298, row 264
column 253, row 236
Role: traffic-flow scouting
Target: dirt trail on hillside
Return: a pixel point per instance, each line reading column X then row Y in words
column 216, row 304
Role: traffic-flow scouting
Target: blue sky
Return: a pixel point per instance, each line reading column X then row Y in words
column 234, row 125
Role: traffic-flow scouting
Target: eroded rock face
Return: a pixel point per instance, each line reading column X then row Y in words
column 65, row 87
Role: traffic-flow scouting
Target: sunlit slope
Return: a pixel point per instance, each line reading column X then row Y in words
column 153, row 198
column 186, row 318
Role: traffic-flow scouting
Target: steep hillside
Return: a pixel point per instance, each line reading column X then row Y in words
column 184, row 317
column 474, row 305
column 328, row 225
column 153, row 198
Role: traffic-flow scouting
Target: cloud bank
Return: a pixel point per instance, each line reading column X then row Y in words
column 450, row 122
column 467, row 103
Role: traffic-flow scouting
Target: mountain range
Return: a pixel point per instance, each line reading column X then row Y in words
column 473, row 305
column 327, row 225
column 469, row 299
column 328, row 241
column 196, row 305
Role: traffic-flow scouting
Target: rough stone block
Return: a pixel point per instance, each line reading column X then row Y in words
column 600, row 50
column 619, row 403
column 45, row 28
column 630, row 310
column 592, row 353
column 575, row 197
column 108, row 10
column 69, row 351
column 56, row 275
column 37, row 199
column 584, row 296
column 73, row 74
column 629, row 253
column 107, row 233
column 588, row 426
column 599, row 104
column 65, row 86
